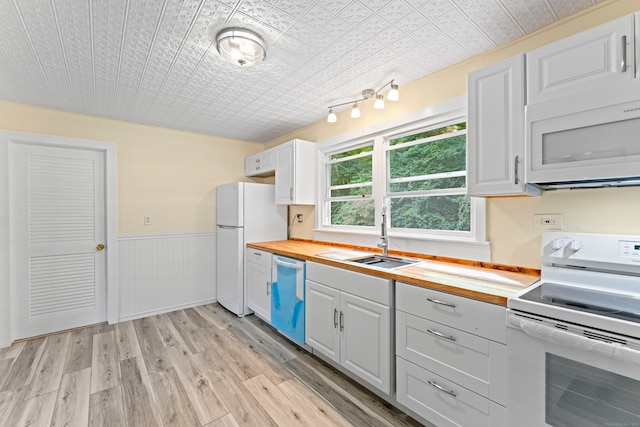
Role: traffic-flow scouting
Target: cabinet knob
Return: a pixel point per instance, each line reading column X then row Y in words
column 100, row 246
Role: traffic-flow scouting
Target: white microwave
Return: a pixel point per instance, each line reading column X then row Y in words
column 590, row 148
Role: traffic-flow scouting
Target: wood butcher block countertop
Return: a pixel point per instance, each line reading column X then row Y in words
column 487, row 282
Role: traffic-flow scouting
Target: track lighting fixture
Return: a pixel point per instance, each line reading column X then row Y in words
column 355, row 111
column 392, row 95
column 332, row 116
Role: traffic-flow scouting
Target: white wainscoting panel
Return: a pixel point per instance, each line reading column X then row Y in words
column 160, row 273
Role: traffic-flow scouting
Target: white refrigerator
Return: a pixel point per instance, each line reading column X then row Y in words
column 245, row 212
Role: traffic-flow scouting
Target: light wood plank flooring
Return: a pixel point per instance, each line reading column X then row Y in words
column 201, row 366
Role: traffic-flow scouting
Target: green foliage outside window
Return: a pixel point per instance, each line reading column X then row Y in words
column 431, row 165
column 350, row 175
column 419, row 174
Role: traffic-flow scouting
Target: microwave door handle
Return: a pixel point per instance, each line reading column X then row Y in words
column 623, row 63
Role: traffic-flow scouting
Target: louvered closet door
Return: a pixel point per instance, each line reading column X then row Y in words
column 58, row 217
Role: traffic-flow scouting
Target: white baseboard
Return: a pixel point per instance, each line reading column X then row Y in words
column 164, row 310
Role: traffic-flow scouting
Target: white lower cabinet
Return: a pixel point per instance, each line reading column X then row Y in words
column 450, row 357
column 349, row 322
column 258, row 282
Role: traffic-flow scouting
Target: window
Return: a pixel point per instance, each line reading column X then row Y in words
column 416, row 170
column 350, row 177
column 426, row 180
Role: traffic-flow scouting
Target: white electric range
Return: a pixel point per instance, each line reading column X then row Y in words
column 573, row 338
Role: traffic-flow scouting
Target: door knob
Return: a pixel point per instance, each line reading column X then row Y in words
column 100, row 246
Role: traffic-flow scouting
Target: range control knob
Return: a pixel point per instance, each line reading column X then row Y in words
column 557, row 244
column 575, row 245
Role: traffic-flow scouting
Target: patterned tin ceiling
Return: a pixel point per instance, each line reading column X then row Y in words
column 154, row 61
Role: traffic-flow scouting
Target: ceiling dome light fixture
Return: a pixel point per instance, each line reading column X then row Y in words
column 393, row 95
column 241, row 47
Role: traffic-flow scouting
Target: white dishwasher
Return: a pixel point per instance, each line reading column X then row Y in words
column 287, row 297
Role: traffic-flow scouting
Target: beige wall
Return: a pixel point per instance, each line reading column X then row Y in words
column 166, row 174
column 171, row 175
column 510, row 220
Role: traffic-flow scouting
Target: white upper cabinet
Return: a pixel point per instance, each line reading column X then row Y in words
column 260, row 164
column 296, row 173
column 495, row 136
column 595, row 63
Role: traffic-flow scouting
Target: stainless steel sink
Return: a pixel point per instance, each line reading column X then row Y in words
column 387, row 262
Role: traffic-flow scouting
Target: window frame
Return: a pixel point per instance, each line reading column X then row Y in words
column 388, row 194
column 441, row 114
column 328, row 198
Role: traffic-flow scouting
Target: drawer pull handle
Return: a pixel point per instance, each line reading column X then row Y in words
column 441, row 335
column 439, row 387
column 257, row 254
column 335, row 318
column 437, row 301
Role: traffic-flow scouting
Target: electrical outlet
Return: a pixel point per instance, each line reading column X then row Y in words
column 547, row 221
column 300, row 218
column 147, row 220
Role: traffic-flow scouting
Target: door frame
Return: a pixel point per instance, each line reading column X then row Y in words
column 111, row 221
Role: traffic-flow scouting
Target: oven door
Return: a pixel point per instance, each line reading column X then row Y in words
column 564, row 375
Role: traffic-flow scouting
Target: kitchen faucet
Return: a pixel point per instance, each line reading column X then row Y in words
column 384, row 242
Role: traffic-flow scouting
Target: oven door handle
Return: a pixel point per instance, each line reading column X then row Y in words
column 550, row 334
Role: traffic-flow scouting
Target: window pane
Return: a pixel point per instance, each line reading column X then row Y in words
column 352, row 171
column 430, row 133
column 445, row 155
column 353, row 152
column 353, row 212
column 354, row 191
column 428, row 184
column 451, row 213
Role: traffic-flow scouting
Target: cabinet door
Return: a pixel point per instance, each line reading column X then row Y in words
column 323, row 319
column 267, row 161
column 252, row 165
column 284, row 174
column 495, row 148
column 366, row 340
column 586, row 63
column 260, row 164
column 259, row 290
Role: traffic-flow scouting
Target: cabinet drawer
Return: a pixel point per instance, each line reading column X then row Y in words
column 466, row 359
column 418, row 390
column 259, row 257
column 369, row 287
column 476, row 317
